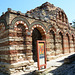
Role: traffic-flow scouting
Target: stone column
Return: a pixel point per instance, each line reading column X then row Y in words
column 60, row 16
column 57, row 46
column 29, row 54
column 71, row 44
column 65, row 44
column 64, row 17
column 59, row 41
column 48, row 46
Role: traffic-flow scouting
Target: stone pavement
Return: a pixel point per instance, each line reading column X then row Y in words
column 55, row 67
column 65, row 69
column 58, row 68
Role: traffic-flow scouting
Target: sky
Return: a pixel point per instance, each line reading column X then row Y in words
column 25, row 5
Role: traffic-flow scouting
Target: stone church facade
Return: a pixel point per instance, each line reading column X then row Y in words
column 19, row 33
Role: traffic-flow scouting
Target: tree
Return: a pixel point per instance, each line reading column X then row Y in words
column 73, row 24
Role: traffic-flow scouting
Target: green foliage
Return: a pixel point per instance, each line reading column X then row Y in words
column 73, row 24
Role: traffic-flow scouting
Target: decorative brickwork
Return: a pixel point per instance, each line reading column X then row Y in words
column 19, row 33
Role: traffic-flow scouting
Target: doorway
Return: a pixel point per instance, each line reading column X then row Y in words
column 36, row 35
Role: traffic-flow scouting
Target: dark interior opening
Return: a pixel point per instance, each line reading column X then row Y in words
column 62, row 41
column 36, row 35
column 68, row 42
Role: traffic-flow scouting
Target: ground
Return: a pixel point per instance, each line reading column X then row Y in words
column 57, row 67
column 65, row 69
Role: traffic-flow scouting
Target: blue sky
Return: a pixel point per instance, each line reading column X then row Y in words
column 24, row 5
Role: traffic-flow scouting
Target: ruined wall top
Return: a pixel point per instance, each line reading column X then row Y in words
column 45, row 12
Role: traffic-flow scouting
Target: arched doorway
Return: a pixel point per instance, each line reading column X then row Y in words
column 61, row 42
column 36, row 35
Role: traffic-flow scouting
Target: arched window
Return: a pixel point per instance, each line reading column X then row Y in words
column 21, row 32
column 59, row 15
column 2, row 27
column 65, row 19
column 62, row 17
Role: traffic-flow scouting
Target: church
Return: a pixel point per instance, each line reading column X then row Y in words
column 19, row 33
